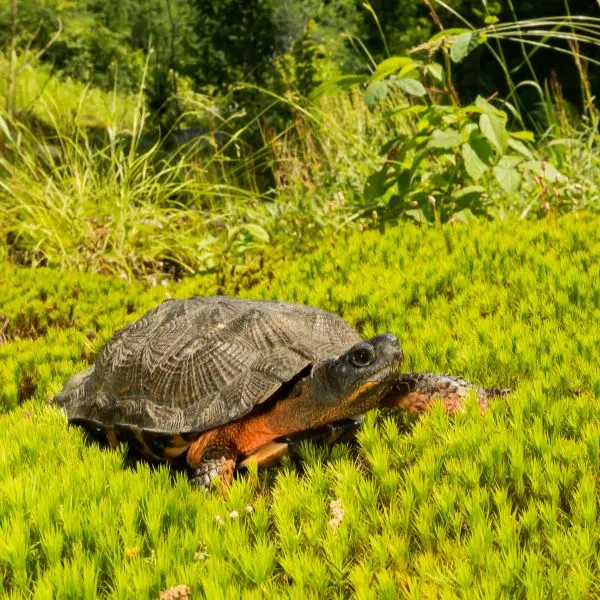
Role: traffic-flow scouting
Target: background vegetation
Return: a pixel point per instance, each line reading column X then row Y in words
column 428, row 168
column 173, row 137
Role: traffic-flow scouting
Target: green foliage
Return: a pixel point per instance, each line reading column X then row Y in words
column 219, row 45
column 451, row 159
column 131, row 204
column 121, row 205
column 305, row 66
column 85, row 49
column 503, row 504
column 47, row 103
column 490, row 69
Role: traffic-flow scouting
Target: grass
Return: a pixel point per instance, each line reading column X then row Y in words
column 136, row 209
column 86, row 198
column 52, row 101
column 98, row 192
column 500, row 505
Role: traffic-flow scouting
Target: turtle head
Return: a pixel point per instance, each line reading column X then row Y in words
column 337, row 388
column 354, row 382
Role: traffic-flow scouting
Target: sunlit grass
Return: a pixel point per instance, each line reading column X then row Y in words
column 500, row 505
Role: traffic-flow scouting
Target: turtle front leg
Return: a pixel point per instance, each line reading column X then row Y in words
column 415, row 392
column 212, row 456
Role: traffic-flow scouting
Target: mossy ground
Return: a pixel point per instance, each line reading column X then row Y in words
column 500, row 505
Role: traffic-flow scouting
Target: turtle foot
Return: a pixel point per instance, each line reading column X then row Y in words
column 213, row 468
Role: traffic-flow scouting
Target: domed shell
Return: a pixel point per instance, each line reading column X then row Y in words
column 191, row 365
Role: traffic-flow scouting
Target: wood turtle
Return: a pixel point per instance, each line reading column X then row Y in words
column 215, row 382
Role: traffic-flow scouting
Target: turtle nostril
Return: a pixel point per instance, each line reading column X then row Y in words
column 392, row 339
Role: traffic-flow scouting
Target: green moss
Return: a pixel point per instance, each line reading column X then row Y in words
column 500, row 505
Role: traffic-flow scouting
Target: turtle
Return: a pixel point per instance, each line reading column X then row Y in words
column 216, row 382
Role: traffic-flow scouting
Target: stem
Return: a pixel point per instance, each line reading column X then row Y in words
column 447, row 61
column 11, row 86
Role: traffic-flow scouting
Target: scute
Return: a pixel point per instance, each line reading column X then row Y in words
column 192, row 365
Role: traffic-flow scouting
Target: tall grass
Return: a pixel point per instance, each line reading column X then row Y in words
column 113, row 198
column 129, row 205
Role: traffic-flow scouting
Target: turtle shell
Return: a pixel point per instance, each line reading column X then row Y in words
column 188, row 366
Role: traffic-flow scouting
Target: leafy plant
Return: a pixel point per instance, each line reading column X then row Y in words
column 452, row 158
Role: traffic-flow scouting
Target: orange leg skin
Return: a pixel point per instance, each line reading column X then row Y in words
column 213, row 455
column 418, row 403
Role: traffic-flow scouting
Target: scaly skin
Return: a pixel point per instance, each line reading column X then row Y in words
column 415, row 392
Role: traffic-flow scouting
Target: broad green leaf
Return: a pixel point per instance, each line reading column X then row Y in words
column 403, row 181
column 474, row 166
column 257, row 232
column 396, row 202
column 337, row 85
column 486, row 107
column 481, row 146
column 407, row 109
column 508, row 178
column 377, row 184
column 470, row 190
column 436, row 71
column 416, row 214
column 544, row 169
column 468, row 197
column 390, row 66
column 464, row 216
column 407, row 71
column 412, row 87
column 493, row 129
column 471, row 108
column 520, row 147
column 526, row 136
column 375, row 93
column 445, row 139
column 468, row 128
column 464, row 44
column 510, row 160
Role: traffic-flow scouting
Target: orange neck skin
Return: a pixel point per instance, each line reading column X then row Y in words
column 299, row 413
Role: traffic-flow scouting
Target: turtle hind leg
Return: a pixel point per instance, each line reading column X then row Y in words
column 213, row 468
column 212, row 456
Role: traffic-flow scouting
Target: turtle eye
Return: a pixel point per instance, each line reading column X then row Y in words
column 363, row 356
